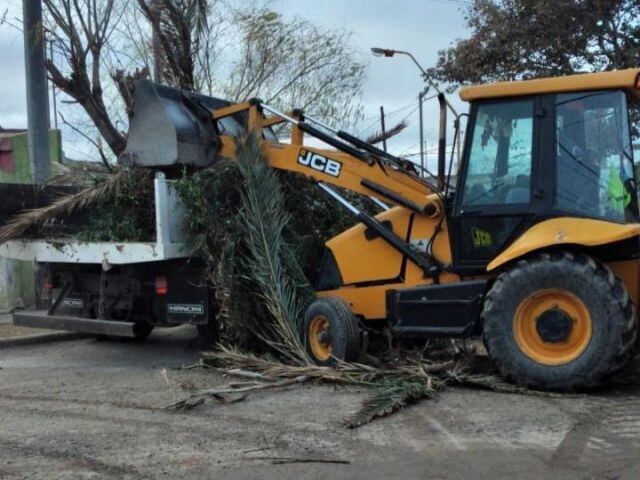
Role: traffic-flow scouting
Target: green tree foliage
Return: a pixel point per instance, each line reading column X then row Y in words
column 521, row 39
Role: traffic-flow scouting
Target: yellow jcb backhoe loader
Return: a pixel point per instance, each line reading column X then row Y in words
column 535, row 247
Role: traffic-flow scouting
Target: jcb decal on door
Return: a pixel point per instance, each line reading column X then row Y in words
column 319, row 163
column 481, row 238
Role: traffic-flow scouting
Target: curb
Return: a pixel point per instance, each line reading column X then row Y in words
column 40, row 338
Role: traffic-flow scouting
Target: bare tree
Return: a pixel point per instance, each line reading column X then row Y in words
column 178, row 26
column 80, row 30
column 294, row 62
column 105, row 46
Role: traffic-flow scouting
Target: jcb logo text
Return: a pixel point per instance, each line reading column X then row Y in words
column 320, row 163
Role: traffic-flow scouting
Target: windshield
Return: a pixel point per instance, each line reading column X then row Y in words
column 499, row 169
column 595, row 175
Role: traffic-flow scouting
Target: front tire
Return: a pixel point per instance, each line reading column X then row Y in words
column 331, row 331
column 559, row 321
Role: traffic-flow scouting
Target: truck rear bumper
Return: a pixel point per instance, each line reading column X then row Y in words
column 40, row 319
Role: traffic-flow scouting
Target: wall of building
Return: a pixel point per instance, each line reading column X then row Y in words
column 17, row 279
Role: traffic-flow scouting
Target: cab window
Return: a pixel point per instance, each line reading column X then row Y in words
column 595, row 176
column 500, row 159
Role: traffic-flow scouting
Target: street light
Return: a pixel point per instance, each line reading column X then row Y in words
column 389, row 52
column 382, row 52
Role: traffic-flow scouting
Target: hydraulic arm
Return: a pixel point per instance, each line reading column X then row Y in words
column 171, row 127
column 355, row 165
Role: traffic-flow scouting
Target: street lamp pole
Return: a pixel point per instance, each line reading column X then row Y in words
column 388, row 52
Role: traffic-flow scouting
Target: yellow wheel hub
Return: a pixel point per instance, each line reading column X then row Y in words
column 320, row 338
column 552, row 327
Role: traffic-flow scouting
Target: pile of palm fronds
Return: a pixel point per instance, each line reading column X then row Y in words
column 393, row 385
column 280, row 284
column 121, row 210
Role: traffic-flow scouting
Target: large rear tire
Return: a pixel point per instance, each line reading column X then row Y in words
column 332, row 332
column 559, row 321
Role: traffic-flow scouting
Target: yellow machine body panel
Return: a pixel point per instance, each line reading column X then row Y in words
column 629, row 272
column 617, row 79
column 565, row 231
column 363, row 261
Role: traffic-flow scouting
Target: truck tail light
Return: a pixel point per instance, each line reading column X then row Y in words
column 48, row 284
column 161, row 285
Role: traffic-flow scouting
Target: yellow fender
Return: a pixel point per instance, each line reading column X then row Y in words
column 565, row 231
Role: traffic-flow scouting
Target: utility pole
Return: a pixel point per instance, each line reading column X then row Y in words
column 37, row 93
column 421, row 132
column 382, row 127
column 420, row 102
column 53, row 91
column 158, row 56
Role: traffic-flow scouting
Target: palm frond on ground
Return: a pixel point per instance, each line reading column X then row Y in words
column 394, row 385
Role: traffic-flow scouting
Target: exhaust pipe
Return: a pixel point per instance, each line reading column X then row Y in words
column 442, row 142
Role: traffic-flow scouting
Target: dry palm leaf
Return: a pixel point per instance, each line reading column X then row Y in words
column 381, row 137
column 390, row 399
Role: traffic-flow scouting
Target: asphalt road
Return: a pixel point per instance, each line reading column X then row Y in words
column 88, row 409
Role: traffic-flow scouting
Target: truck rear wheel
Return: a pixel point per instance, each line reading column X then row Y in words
column 331, row 331
column 209, row 333
column 558, row 321
column 142, row 330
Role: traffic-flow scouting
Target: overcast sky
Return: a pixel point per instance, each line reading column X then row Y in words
column 420, row 26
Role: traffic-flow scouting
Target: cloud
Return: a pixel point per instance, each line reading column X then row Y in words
column 13, row 99
column 420, row 27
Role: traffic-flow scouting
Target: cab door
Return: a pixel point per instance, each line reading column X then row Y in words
column 498, row 188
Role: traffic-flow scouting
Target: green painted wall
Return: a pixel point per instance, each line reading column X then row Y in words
column 17, row 279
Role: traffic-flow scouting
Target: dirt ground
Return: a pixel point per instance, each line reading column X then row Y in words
column 88, row 409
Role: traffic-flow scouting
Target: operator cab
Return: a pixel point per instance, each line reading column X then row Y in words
column 594, row 156
column 541, row 154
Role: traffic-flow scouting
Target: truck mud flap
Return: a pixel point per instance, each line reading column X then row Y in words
column 40, row 319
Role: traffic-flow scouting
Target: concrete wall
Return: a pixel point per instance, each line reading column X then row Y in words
column 17, row 279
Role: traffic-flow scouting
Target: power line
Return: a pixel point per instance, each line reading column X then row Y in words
column 463, row 3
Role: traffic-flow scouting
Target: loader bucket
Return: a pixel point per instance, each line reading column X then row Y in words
column 170, row 127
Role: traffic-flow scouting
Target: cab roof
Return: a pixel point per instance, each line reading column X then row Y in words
column 617, row 79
